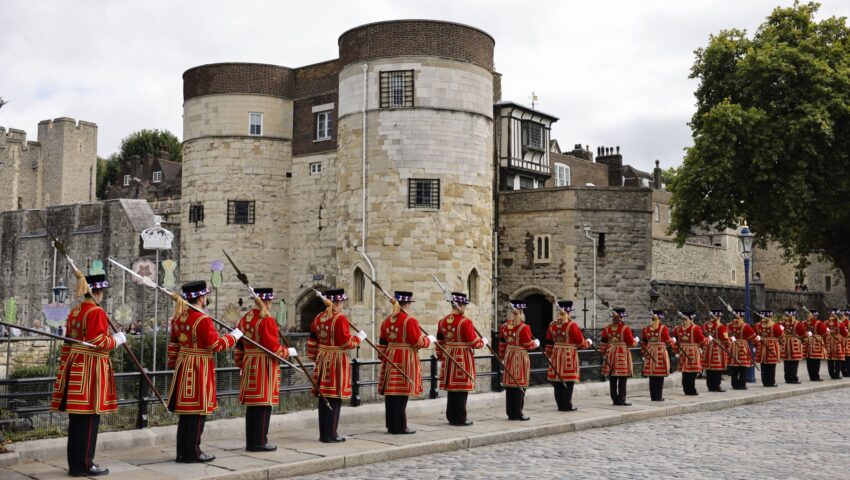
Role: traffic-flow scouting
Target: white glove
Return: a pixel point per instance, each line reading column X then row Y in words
column 781, row 328
column 484, row 339
column 236, row 333
column 673, row 340
column 758, row 338
column 677, row 355
column 292, row 352
column 733, row 338
column 636, row 343
column 710, row 338
column 590, row 341
column 827, row 331
column 808, row 334
column 536, row 343
column 361, row 335
column 119, row 338
column 432, row 339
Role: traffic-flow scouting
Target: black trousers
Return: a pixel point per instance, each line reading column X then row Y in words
column 739, row 377
column 834, row 368
column 257, row 419
column 689, row 381
column 768, row 374
column 713, row 379
column 396, row 413
column 618, row 389
column 329, row 418
column 456, row 407
column 813, row 366
column 514, row 401
column 190, row 428
column 564, row 395
column 82, row 441
column 790, row 367
column 656, row 388
column 845, row 369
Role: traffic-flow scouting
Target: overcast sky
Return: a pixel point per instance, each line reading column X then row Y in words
column 614, row 72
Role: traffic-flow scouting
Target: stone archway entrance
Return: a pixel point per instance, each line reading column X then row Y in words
column 309, row 312
column 538, row 315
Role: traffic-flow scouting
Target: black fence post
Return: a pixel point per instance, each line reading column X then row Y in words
column 142, row 417
column 495, row 380
column 355, row 383
column 434, row 379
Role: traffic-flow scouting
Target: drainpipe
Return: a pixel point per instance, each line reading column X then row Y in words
column 363, row 203
column 592, row 239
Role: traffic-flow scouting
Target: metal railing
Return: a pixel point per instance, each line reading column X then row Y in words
column 25, row 403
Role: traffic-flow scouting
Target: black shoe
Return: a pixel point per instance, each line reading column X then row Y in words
column 202, row 458
column 464, row 424
column 657, row 399
column 570, row 409
column 522, row 418
column 816, row 380
column 624, row 404
column 180, row 459
column 718, row 390
column 692, row 394
column 407, row 431
column 94, row 471
column 263, row 448
column 795, row 382
column 774, row 385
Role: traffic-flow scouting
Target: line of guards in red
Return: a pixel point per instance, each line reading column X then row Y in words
column 85, row 386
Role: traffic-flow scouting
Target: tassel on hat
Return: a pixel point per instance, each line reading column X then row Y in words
column 179, row 305
column 82, row 284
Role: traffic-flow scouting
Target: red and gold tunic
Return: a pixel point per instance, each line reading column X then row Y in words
column 260, row 380
column 563, row 339
column 329, row 340
column 791, row 341
column 85, row 382
column 401, row 338
column 768, row 348
column 616, row 340
column 515, row 340
column 815, row 346
column 744, row 336
column 689, row 340
column 656, row 361
column 193, row 342
column 456, row 334
column 846, row 324
column 835, row 339
column 714, row 357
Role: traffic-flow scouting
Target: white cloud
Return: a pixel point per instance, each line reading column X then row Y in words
column 615, row 72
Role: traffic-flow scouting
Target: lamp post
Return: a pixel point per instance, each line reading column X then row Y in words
column 745, row 242
column 55, row 315
column 592, row 239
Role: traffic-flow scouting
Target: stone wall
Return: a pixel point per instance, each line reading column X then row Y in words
column 24, row 351
column 227, row 116
column 90, row 232
column 696, row 263
column 621, row 215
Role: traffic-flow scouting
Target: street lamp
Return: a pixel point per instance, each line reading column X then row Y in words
column 745, row 242
column 592, row 239
column 60, row 292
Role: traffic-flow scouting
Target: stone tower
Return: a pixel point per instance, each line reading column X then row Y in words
column 428, row 150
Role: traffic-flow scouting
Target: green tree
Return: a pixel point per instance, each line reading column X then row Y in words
column 149, row 141
column 772, row 136
column 108, row 170
column 669, row 175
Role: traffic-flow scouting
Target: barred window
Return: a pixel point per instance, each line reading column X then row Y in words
column 196, row 213
column 396, row 89
column 126, row 180
column 532, row 135
column 240, row 212
column 423, row 193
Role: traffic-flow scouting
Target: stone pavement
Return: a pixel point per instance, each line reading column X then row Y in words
column 149, row 453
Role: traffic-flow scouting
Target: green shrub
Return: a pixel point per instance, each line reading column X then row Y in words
column 30, row 371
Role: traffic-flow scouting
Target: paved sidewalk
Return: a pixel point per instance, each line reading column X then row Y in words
column 149, row 453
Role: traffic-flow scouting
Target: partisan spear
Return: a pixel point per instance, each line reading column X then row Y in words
column 451, row 358
column 812, row 314
column 60, row 247
column 734, row 359
column 380, row 353
column 149, row 283
column 48, row 334
column 607, row 305
column 543, row 351
column 449, row 298
column 244, row 279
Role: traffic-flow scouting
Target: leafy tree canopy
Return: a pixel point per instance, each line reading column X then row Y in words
column 772, row 136
column 149, row 141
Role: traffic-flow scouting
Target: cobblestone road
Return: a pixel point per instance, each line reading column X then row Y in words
column 800, row 437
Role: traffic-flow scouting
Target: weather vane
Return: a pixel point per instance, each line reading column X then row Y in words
column 533, row 98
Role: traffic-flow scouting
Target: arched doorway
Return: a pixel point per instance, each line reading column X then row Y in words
column 538, row 315
column 309, row 312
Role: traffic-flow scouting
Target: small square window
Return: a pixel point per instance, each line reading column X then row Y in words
column 196, row 213
column 255, row 124
column 423, row 193
column 240, row 212
column 315, row 168
column 157, row 177
column 542, row 253
column 396, row 89
column 126, row 180
column 324, row 124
